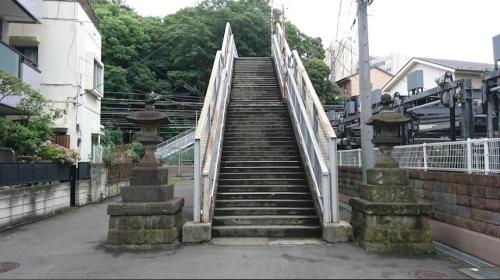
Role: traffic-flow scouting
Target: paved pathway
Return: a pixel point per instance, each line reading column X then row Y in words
column 68, row 246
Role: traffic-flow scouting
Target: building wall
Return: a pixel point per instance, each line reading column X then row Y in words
column 430, row 75
column 68, row 45
column 378, row 80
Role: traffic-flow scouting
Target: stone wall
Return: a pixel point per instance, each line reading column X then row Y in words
column 21, row 205
column 464, row 200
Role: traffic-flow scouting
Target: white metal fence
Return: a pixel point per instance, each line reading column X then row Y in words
column 471, row 156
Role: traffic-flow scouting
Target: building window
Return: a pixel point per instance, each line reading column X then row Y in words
column 98, row 77
column 31, row 53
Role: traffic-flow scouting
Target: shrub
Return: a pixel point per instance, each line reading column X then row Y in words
column 56, row 153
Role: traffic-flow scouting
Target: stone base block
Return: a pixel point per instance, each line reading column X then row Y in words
column 149, row 208
column 145, row 225
column 149, row 176
column 387, row 177
column 397, row 248
column 140, row 248
column 396, row 228
column 196, row 232
column 388, row 194
column 337, row 232
column 147, row 193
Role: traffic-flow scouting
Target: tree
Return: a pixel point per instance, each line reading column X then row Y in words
column 26, row 135
column 184, row 45
column 318, row 73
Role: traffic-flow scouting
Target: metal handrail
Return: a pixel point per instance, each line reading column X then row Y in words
column 315, row 133
column 209, row 131
column 174, row 144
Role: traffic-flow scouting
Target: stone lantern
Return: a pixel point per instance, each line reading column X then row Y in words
column 387, row 131
column 387, row 217
column 149, row 216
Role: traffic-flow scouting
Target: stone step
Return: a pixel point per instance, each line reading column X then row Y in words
column 260, row 153
column 262, row 188
column 257, row 138
column 260, row 157
column 258, row 142
column 263, row 181
column 263, row 195
column 247, row 148
column 267, row 231
column 256, row 169
column 265, row 220
column 251, row 211
column 260, row 163
column 262, row 175
column 263, row 203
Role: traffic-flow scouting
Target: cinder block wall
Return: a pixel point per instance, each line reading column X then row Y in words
column 21, row 205
column 465, row 200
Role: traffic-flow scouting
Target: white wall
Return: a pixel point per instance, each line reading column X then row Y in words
column 430, row 75
column 25, row 204
column 69, row 43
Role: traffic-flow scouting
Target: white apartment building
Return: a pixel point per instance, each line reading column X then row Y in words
column 343, row 59
column 429, row 69
column 66, row 46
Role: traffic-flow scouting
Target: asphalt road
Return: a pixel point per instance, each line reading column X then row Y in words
column 70, row 246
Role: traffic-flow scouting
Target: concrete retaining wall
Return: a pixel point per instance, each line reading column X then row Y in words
column 26, row 204
column 23, row 205
column 184, row 171
column 97, row 188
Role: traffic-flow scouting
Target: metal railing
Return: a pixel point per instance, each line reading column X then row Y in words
column 315, row 133
column 175, row 144
column 209, row 132
column 470, row 156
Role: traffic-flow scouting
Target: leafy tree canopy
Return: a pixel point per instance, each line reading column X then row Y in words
column 184, row 45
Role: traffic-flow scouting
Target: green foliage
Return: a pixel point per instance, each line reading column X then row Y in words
column 184, row 45
column 136, row 151
column 109, row 140
column 26, row 135
column 328, row 92
column 56, row 153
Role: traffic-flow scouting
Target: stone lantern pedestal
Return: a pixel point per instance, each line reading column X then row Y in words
column 149, row 217
column 387, row 218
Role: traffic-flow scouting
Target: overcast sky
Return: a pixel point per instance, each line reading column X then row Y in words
column 448, row 29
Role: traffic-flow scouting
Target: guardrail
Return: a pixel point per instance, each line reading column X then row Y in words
column 315, row 133
column 209, row 132
column 173, row 145
column 470, row 156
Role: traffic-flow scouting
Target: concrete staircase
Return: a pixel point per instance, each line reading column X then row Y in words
column 262, row 188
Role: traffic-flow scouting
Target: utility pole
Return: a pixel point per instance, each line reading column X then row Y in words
column 367, row 155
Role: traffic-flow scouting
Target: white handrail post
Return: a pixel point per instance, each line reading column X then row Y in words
column 424, row 148
column 332, row 150
column 197, row 182
column 359, row 158
column 340, row 158
column 486, row 157
column 469, row 156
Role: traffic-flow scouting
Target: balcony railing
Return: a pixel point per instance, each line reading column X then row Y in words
column 17, row 65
